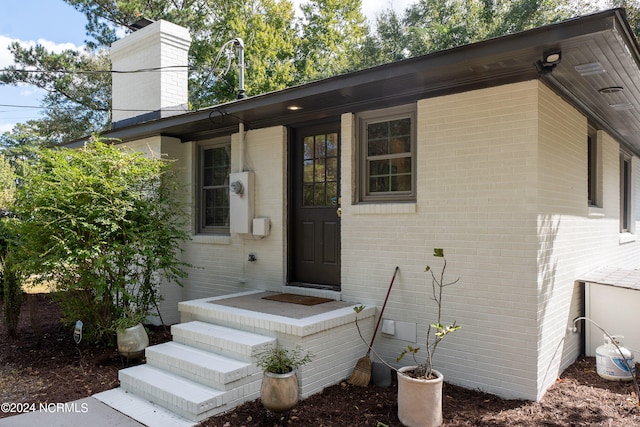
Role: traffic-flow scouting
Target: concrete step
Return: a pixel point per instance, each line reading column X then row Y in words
column 201, row 366
column 222, row 340
column 141, row 410
column 184, row 397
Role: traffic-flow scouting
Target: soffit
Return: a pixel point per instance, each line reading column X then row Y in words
column 603, row 37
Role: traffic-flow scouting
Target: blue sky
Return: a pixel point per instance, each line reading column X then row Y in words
column 54, row 24
column 58, row 26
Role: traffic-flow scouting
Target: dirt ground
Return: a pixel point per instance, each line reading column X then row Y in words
column 55, row 370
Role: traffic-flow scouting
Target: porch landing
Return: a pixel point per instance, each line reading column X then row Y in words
column 210, row 366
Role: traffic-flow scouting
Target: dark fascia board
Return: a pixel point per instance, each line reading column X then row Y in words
column 492, row 62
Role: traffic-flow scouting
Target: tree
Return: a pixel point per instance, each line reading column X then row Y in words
column 333, row 32
column 78, row 87
column 432, row 25
column 103, row 226
column 10, row 285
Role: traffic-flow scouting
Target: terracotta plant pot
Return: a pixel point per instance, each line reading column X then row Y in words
column 419, row 400
column 132, row 341
column 279, row 392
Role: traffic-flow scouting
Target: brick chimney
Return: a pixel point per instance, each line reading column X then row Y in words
column 142, row 96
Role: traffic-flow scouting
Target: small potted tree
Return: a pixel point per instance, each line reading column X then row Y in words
column 279, row 390
column 420, row 386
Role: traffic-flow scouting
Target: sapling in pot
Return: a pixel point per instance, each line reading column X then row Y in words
column 438, row 329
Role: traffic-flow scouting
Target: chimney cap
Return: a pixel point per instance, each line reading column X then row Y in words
column 141, row 23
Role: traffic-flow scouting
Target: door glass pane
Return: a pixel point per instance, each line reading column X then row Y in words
column 320, row 170
column 332, row 169
column 307, row 195
column 308, row 171
column 308, row 148
column 319, row 198
column 332, row 193
column 332, row 145
column 321, row 151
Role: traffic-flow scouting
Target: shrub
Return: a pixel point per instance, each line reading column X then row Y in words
column 104, row 226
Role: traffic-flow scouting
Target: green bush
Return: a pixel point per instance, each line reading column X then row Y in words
column 104, row 226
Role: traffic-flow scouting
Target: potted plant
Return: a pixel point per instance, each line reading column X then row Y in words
column 420, row 386
column 279, row 390
column 132, row 337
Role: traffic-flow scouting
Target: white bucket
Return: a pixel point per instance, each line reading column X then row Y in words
column 611, row 365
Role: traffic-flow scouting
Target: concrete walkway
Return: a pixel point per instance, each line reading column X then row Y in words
column 84, row 412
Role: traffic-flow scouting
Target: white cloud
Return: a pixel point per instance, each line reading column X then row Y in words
column 6, row 58
column 6, row 127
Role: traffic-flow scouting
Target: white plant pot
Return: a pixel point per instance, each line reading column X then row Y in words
column 419, row 400
column 132, row 341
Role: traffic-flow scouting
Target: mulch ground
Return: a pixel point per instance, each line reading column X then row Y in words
column 44, row 365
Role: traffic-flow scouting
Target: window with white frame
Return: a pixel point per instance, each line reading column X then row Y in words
column 214, row 164
column 626, row 194
column 387, row 151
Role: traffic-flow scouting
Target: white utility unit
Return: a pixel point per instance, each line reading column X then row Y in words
column 612, row 300
column 241, row 188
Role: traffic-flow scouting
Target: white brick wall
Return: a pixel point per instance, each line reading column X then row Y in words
column 161, row 44
column 220, row 262
column 501, row 187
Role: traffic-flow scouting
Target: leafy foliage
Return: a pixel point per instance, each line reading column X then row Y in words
column 104, row 226
column 12, row 294
column 279, row 360
column 11, row 290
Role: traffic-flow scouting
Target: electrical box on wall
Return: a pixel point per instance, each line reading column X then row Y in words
column 241, row 202
column 261, row 227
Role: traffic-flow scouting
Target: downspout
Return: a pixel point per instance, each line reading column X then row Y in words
column 241, row 148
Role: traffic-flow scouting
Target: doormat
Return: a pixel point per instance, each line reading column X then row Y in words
column 298, row 299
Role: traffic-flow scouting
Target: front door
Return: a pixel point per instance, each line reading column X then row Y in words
column 315, row 193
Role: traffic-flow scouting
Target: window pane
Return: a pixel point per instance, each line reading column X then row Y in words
column 378, row 167
column 400, row 145
column 214, row 178
column 401, row 183
column 400, row 127
column 378, row 184
column 216, row 207
column 402, row 165
column 377, row 147
column 387, row 155
column 378, row 130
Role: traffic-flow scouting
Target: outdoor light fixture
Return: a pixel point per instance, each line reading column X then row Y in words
column 294, row 107
column 551, row 59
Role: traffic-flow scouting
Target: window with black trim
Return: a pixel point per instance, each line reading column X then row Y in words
column 626, row 224
column 214, row 166
column 593, row 169
column 387, row 148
